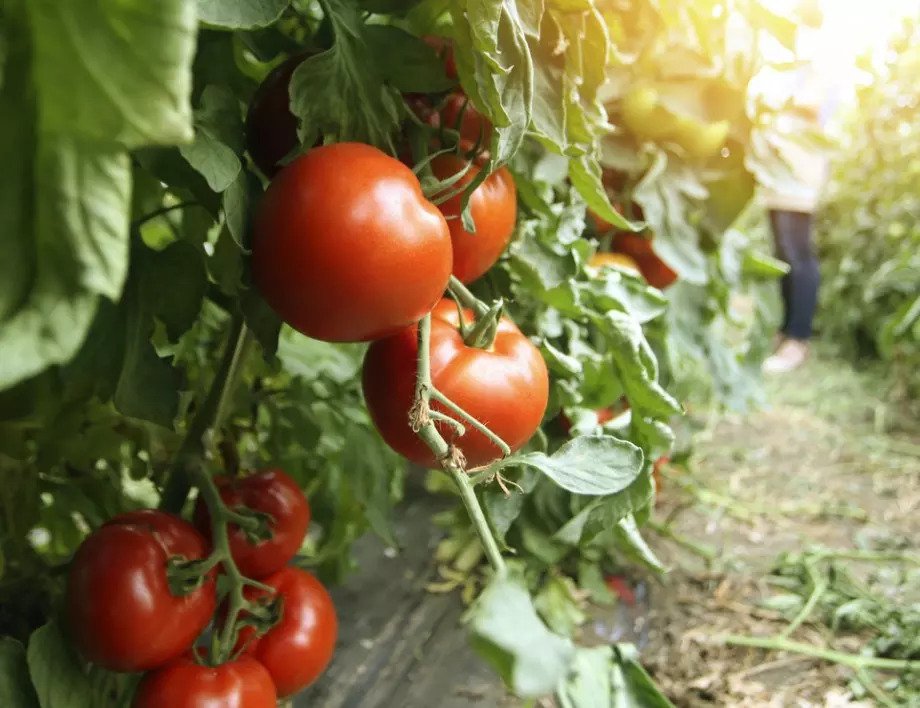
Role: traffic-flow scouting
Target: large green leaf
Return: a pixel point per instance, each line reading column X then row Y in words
column 114, row 72
column 588, row 464
column 56, row 671
column 86, row 82
column 508, row 633
column 240, row 14
column 15, row 689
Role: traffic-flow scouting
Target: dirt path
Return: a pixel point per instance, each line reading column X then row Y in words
column 827, row 464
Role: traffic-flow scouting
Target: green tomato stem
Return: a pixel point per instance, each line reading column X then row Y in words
column 854, row 661
column 430, row 436
column 466, row 297
column 450, row 405
column 207, row 417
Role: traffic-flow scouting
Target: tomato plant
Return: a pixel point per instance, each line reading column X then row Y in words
column 184, row 683
column 505, row 384
column 297, row 649
column 156, row 290
column 271, row 493
column 122, row 611
column 334, row 237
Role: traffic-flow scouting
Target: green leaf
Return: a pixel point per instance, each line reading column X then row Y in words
column 406, row 61
column 114, row 73
column 557, row 605
column 508, row 633
column 585, row 173
column 591, row 465
column 630, row 540
column 340, row 94
column 148, row 385
column 761, row 265
column 311, row 359
column 106, row 77
column 588, row 684
column 56, row 672
column 241, row 14
column 214, row 160
column 15, row 689
column 173, row 283
column 632, row 686
column 636, row 366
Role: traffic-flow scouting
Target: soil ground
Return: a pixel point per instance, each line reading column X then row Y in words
column 825, row 464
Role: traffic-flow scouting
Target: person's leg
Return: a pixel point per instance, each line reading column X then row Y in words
column 803, row 276
column 778, row 225
column 792, row 232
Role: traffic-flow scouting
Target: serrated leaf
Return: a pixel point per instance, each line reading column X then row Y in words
column 241, row 14
column 508, row 633
column 592, row 465
column 636, row 366
column 56, row 672
column 15, row 689
column 340, row 94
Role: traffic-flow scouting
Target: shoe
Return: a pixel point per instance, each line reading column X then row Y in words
column 790, row 355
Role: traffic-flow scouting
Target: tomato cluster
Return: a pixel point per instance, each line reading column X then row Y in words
column 136, row 603
column 348, row 248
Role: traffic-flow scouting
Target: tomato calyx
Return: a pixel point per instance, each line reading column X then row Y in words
column 482, row 333
column 185, row 576
column 255, row 524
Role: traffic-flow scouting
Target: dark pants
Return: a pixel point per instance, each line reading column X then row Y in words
column 792, row 234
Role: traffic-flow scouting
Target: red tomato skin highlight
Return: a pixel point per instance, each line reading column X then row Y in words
column 270, row 491
column 121, row 612
column 243, row 683
column 346, row 248
column 298, row 649
column 505, row 387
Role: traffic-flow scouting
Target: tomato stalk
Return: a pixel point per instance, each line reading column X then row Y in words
column 425, row 427
column 221, row 516
column 212, row 410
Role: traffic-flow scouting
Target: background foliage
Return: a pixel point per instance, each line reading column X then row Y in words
column 869, row 231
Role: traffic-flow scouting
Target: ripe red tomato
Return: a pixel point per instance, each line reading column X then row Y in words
column 271, row 492
column 122, row 613
column 506, row 386
column 655, row 271
column 494, row 209
column 345, row 246
column 299, row 648
column 183, row 683
column 271, row 128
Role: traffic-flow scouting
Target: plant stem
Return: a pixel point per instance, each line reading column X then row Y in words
column 450, row 405
column 160, row 212
column 429, row 434
column 854, row 661
column 177, row 485
column 665, row 530
column 474, row 509
column 819, row 585
column 465, row 296
column 219, row 517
